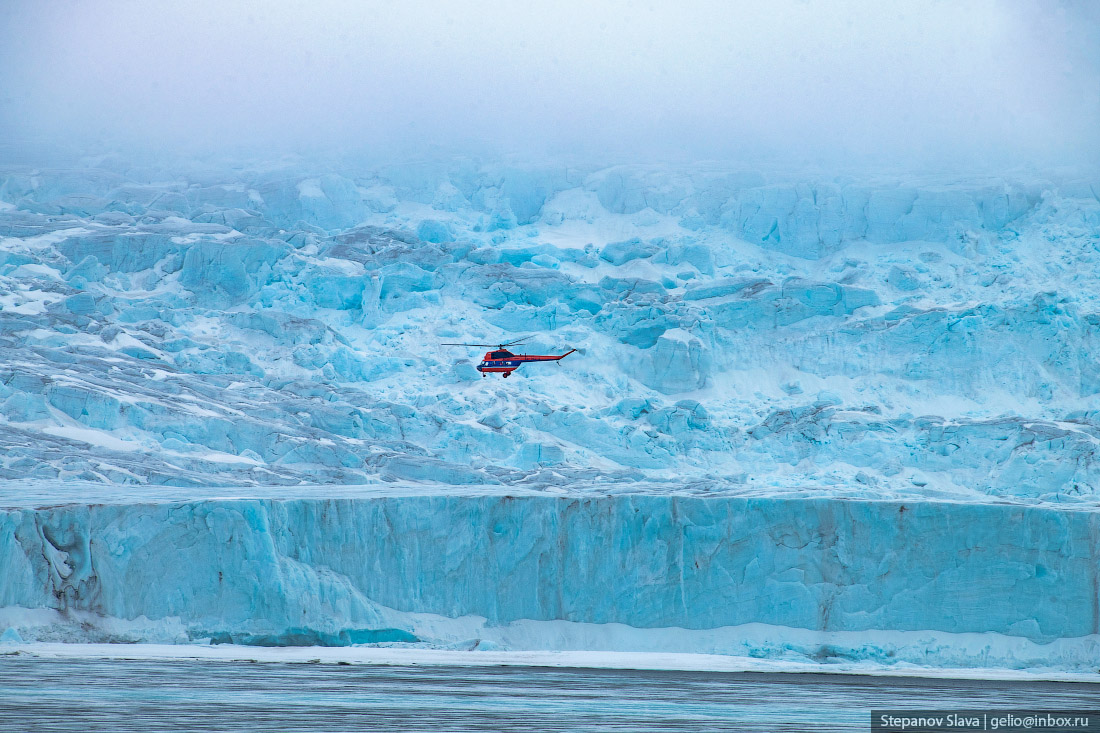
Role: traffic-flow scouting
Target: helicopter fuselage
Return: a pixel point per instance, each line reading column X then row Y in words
column 504, row 362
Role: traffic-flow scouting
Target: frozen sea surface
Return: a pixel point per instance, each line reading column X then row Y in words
column 89, row 696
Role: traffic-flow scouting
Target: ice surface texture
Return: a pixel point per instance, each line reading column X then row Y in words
column 356, row 570
column 758, row 357
column 276, row 324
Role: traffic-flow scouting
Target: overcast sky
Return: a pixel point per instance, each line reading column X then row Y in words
column 981, row 82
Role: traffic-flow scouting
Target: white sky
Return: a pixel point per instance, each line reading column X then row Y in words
column 985, row 82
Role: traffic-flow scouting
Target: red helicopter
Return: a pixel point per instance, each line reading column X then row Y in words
column 504, row 361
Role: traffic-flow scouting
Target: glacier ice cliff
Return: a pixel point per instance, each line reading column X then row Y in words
column 397, row 567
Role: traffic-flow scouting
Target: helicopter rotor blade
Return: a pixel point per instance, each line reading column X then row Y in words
column 493, row 346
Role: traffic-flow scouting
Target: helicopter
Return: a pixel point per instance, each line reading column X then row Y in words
column 501, row 360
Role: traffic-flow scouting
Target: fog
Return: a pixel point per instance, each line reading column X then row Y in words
column 968, row 83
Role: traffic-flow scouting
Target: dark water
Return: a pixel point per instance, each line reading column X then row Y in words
column 119, row 696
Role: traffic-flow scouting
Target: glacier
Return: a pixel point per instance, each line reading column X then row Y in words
column 966, row 584
column 830, row 407
column 279, row 325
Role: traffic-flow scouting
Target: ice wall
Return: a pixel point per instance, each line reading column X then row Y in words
column 360, row 569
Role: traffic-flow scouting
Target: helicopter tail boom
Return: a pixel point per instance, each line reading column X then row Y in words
column 539, row 357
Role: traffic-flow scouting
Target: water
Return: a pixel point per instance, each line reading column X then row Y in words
column 88, row 695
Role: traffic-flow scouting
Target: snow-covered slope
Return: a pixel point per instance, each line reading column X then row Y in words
column 280, row 324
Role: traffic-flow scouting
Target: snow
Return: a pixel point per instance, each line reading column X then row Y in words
column 99, row 438
column 310, row 188
column 405, row 657
column 834, row 349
